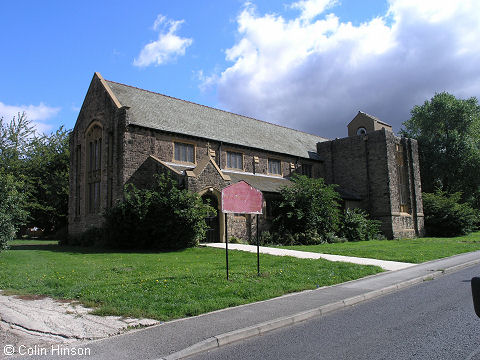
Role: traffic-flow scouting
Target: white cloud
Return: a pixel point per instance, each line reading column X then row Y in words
column 38, row 114
column 206, row 81
column 315, row 72
column 312, row 8
column 168, row 46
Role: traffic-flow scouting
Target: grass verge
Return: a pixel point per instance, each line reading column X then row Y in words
column 404, row 250
column 162, row 286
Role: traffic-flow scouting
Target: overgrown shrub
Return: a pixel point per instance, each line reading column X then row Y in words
column 357, row 227
column 235, row 240
column 12, row 213
column 266, row 238
column 446, row 216
column 307, row 212
column 164, row 217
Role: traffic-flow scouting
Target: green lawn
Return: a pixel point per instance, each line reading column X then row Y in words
column 161, row 285
column 405, row 250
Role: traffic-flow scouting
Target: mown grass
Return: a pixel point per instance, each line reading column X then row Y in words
column 405, row 250
column 161, row 285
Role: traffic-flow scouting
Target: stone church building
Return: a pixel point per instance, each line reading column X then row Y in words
column 124, row 134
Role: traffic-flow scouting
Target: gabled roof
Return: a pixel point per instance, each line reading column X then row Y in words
column 373, row 117
column 161, row 112
column 202, row 165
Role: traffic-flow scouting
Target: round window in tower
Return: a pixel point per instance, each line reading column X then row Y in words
column 361, row 131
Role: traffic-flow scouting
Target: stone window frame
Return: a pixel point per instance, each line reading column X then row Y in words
column 402, row 179
column 234, row 151
column 110, row 160
column 78, row 167
column 185, row 142
column 273, row 158
column 94, row 135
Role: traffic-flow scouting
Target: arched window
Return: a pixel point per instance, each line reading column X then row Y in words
column 402, row 178
column 93, row 139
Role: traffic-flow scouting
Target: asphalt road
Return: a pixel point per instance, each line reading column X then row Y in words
column 432, row 320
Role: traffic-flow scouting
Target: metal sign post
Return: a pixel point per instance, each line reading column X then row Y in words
column 258, row 250
column 226, row 243
column 242, row 198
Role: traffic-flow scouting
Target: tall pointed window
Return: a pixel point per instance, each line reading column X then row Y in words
column 402, row 179
column 78, row 166
column 94, row 169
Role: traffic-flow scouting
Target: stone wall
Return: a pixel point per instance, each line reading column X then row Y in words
column 98, row 108
column 366, row 164
column 140, row 142
column 209, row 177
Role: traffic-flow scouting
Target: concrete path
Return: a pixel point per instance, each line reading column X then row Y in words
column 384, row 264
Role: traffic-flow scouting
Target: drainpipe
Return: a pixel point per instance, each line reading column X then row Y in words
column 220, row 155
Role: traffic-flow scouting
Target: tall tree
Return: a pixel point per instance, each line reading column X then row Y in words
column 12, row 213
column 448, row 132
column 47, row 166
column 40, row 164
column 15, row 138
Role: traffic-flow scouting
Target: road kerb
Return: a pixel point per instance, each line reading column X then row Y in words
column 202, row 346
column 328, row 308
column 354, row 300
column 236, row 335
column 408, row 283
column 242, row 334
column 306, row 315
column 276, row 324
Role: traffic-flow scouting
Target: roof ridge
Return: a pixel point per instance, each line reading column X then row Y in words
column 374, row 117
column 210, row 107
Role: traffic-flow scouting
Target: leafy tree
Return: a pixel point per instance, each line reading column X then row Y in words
column 12, row 213
column 40, row 163
column 47, row 167
column 15, row 138
column 448, row 132
column 308, row 210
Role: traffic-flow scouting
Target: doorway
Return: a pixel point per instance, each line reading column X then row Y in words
column 212, row 220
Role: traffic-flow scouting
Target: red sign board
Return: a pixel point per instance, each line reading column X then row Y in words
column 242, row 198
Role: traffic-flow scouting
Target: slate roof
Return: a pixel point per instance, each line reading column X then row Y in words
column 161, row 112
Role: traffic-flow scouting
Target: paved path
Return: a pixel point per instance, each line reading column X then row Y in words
column 384, row 264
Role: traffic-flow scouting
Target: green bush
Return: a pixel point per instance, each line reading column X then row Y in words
column 235, row 240
column 446, row 216
column 357, row 227
column 307, row 211
column 164, row 217
column 12, row 213
column 266, row 238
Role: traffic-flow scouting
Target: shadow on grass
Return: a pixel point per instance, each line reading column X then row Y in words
column 85, row 250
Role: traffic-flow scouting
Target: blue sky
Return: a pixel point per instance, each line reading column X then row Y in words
column 306, row 64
